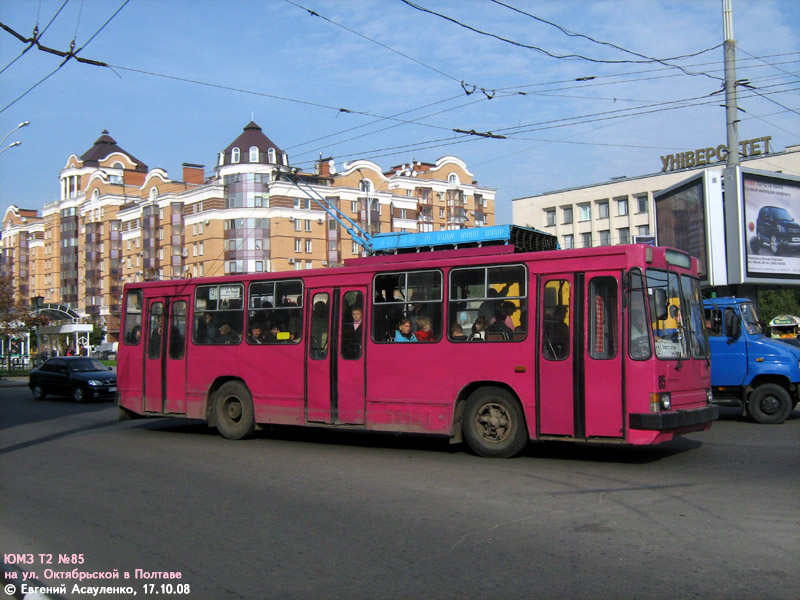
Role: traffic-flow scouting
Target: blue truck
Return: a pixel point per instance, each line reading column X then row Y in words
column 748, row 368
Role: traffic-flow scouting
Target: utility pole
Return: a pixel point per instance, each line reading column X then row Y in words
column 736, row 239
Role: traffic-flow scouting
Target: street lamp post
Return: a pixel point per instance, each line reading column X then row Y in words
column 12, row 144
column 20, row 126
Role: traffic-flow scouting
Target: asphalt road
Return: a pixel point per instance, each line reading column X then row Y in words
column 315, row 514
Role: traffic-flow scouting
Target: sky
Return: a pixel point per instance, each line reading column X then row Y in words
column 566, row 93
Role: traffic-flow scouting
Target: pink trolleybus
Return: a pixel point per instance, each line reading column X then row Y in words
column 483, row 344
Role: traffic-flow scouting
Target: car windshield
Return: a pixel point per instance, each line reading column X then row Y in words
column 750, row 320
column 86, row 365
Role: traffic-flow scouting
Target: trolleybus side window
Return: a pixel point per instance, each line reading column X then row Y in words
column 488, row 304
column 415, row 295
column 218, row 314
column 133, row 318
column 556, row 333
column 603, row 309
column 277, row 307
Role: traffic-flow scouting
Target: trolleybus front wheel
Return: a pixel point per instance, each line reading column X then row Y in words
column 493, row 423
column 233, row 406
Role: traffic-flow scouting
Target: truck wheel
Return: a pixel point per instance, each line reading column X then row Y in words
column 769, row 404
column 234, row 410
column 494, row 425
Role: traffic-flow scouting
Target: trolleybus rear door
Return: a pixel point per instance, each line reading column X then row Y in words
column 335, row 359
column 175, row 357
column 154, row 341
column 165, row 355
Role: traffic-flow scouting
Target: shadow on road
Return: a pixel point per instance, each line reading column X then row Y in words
column 552, row 450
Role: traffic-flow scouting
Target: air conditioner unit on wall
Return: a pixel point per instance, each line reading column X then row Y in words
column 291, row 261
column 324, row 263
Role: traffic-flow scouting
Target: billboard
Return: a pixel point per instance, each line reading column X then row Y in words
column 771, row 222
column 689, row 217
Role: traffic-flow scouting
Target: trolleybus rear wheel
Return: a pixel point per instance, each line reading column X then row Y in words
column 233, row 406
column 493, row 423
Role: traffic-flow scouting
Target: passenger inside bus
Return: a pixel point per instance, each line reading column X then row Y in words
column 256, row 335
column 556, row 334
column 206, row 332
column 457, row 333
column 135, row 335
column 319, row 329
column 353, row 333
column 424, row 331
column 479, row 329
column 403, row 331
column 498, row 324
column 226, row 335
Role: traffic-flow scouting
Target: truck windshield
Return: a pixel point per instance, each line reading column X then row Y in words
column 680, row 334
column 750, row 320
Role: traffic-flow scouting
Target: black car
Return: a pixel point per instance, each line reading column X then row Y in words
column 76, row 376
column 777, row 229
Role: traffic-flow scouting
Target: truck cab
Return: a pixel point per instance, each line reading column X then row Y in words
column 748, row 368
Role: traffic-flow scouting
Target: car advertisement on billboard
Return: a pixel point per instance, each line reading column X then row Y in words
column 772, row 226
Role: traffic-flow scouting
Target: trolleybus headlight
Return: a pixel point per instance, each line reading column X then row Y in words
column 659, row 402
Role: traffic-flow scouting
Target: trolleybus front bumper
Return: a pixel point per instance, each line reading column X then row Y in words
column 663, row 421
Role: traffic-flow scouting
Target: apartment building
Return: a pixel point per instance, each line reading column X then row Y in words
column 616, row 211
column 117, row 220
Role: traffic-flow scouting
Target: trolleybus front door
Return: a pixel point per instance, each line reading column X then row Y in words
column 580, row 363
column 335, row 356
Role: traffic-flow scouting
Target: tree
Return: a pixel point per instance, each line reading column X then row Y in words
column 782, row 301
column 15, row 318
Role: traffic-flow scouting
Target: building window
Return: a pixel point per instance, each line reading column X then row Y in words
column 643, row 230
column 452, row 179
column 235, row 155
column 569, row 241
column 605, row 237
column 298, row 245
column 259, row 265
column 641, row 204
column 271, row 156
column 298, row 225
column 567, row 215
column 550, row 216
column 356, row 248
column 354, row 206
column 222, row 158
column 253, row 154
column 308, row 224
column 586, row 240
column 365, row 185
column 308, row 246
column 624, row 235
column 200, row 249
column 622, row 207
column 586, row 212
column 602, row 210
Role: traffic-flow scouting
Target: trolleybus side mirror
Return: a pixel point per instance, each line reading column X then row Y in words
column 660, row 304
